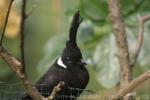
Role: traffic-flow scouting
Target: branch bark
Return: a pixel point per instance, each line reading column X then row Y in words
column 56, row 90
column 121, row 40
column 16, row 66
column 22, row 26
column 122, row 44
column 123, row 55
column 145, row 76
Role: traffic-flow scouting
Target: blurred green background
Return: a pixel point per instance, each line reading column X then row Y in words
column 46, row 31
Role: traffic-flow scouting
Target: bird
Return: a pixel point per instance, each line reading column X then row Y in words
column 69, row 68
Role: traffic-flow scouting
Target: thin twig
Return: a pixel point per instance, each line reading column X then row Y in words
column 6, row 21
column 142, row 78
column 56, row 90
column 139, row 42
column 16, row 66
column 22, row 25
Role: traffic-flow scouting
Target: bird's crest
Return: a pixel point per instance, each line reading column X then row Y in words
column 74, row 27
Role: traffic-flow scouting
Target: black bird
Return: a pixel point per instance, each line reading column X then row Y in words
column 68, row 68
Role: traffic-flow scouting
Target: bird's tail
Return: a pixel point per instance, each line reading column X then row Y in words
column 74, row 27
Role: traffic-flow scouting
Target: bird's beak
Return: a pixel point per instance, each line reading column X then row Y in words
column 82, row 62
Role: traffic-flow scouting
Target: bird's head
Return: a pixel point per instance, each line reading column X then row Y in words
column 72, row 54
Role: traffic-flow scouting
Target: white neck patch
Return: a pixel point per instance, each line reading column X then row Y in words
column 60, row 63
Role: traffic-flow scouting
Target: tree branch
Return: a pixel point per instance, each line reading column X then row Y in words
column 6, row 21
column 19, row 68
column 126, row 70
column 16, row 66
column 139, row 42
column 121, row 40
column 22, row 25
column 128, row 88
column 56, row 90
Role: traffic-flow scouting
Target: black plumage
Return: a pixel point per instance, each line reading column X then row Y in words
column 69, row 68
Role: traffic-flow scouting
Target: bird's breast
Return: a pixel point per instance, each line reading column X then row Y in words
column 77, row 77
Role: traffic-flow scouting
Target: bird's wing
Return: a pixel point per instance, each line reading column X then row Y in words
column 47, row 82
